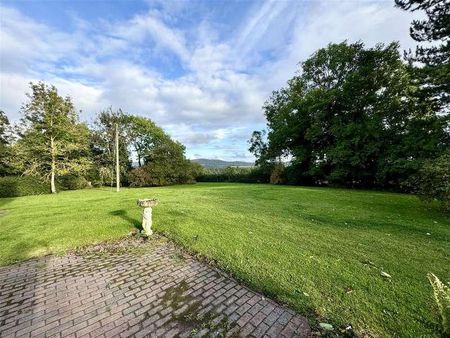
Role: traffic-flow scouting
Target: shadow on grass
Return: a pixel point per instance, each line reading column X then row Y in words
column 23, row 250
column 3, row 202
column 123, row 214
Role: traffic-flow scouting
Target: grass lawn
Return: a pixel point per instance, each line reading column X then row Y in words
column 320, row 250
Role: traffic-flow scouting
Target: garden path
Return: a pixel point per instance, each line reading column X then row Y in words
column 134, row 290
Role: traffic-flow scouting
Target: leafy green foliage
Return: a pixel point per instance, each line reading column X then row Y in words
column 236, row 174
column 161, row 160
column 73, row 182
column 6, row 151
column 433, row 180
column 351, row 118
column 143, row 135
column 165, row 165
column 4, row 125
column 140, row 177
column 435, row 57
column 103, row 146
column 52, row 141
column 258, row 146
column 15, row 186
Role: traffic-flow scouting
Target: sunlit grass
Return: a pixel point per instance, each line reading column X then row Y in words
column 320, row 250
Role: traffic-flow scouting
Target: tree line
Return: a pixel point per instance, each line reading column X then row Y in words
column 51, row 144
column 366, row 117
column 351, row 116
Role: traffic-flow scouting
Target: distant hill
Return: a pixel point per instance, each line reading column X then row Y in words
column 217, row 164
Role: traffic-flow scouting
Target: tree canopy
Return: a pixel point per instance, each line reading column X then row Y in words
column 144, row 135
column 351, row 116
column 51, row 144
column 5, row 165
column 434, row 51
column 103, row 147
column 53, row 141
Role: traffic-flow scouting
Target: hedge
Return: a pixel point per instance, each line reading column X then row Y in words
column 235, row 174
column 15, row 186
column 72, row 182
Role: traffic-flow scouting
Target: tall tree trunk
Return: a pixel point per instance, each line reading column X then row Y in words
column 52, row 178
column 117, row 159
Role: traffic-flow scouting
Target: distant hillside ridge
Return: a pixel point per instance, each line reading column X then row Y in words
column 218, row 164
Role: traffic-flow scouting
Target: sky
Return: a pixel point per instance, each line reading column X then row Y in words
column 202, row 70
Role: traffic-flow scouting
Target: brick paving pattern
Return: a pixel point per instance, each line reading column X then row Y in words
column 150, row 290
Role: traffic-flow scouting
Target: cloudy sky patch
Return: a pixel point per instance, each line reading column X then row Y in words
column 200, row 69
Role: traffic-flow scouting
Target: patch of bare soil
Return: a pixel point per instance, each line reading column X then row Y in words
column 134, row 240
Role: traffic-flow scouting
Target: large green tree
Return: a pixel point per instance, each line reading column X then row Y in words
column 6, row 154
column 143, row 135
column 4, row 126
column 103, row 144
column 433, row 52
column 52, row 142
column 160, row 159
column 351, row 117
column 165, row 164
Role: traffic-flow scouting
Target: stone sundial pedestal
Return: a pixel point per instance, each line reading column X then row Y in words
column 147, row 204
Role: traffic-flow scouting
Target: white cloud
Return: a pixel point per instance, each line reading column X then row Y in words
column 325, row 22
column 149, row 25
column 12, row 92
column 272, row 16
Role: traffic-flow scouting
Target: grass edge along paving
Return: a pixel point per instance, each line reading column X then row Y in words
column 320, row 250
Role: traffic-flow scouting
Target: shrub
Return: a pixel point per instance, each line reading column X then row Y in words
column 15, row 186
column 164, row 173
column 196, row 169
column 73, row 182
column 140, row 177
column 106, row 176
column 236, row 174
column 433, row 180
column 97, row 184
column 259, row 174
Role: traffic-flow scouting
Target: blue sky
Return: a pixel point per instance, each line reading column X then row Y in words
column 200, row 69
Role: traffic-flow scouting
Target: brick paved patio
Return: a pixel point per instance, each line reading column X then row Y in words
column 141, row 290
